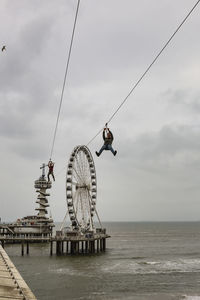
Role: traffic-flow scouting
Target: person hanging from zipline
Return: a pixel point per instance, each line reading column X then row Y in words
column 108, row 139
column 50, row 166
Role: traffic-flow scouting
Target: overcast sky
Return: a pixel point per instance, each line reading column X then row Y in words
column 156, row 173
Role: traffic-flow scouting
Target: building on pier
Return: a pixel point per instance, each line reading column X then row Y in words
column 40, row 225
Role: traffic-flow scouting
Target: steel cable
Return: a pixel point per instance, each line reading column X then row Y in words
column 65, row 76
column 148, row 68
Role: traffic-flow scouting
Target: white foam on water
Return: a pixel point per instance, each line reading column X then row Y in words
column 153, row 267
column 151, row 263
column 71, row 272
column 63, row 271
column 185, row 297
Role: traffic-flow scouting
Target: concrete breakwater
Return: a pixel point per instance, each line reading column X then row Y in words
column 12, row 285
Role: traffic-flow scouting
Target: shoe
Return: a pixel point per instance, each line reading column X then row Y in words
column 97, row 153
column 115, row 152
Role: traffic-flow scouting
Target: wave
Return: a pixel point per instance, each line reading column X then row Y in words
column 153, row 267
column 185, row 297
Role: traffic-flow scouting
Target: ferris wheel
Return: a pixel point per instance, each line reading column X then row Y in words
column 81, row 189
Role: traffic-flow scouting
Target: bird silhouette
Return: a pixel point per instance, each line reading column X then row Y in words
column 3, row 48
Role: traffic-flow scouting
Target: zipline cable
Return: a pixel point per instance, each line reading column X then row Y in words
column 148, row 68
column 64, row 82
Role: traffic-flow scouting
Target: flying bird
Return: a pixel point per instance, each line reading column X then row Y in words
column 3, row 48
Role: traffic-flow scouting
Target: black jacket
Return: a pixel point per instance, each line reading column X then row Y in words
column 108, row 141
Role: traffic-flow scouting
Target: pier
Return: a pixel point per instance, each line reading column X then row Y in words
column 79, row 245
column 12, row 285
column 61, row 244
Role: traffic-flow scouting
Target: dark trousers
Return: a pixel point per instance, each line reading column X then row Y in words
column 50, row 173
column 107, row 147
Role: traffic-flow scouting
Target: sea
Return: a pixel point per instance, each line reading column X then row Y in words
column 143, row 261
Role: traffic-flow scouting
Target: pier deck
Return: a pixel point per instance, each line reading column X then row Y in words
column 12, row 285
column 64, row 244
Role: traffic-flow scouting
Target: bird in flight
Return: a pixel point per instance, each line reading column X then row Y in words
column 3, row 48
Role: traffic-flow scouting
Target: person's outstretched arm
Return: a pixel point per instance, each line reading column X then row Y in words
column 104, row 134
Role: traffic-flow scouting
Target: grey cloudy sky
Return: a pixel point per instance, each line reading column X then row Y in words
column 156, row 173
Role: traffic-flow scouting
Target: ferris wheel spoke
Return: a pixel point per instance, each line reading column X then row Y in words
column 85, row 166
column 81, row 165
column 76, row 204
column 77, row 176
column 74, row 183
column 81, row 211
column 74, row 193
column 86, row 170
column 77, row 201
column 80, row 171
column 74, row 196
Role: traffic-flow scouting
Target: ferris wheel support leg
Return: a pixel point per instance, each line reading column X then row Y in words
column 98, row 218
column 62, row 225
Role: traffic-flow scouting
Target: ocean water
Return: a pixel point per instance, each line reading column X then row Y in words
column 143, row 261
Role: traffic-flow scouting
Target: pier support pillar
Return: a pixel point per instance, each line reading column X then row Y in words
column 93, row 246
column 104, row 244
column 67, row 247
column 22, row 249
column 72, row 247
column 82, row 247
column 77, row 247
column 27, row 248
column 58, row 247
column 62, row 247
column 51, row 248
column 86, row 246
column 90, row 247
column 101, row 245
